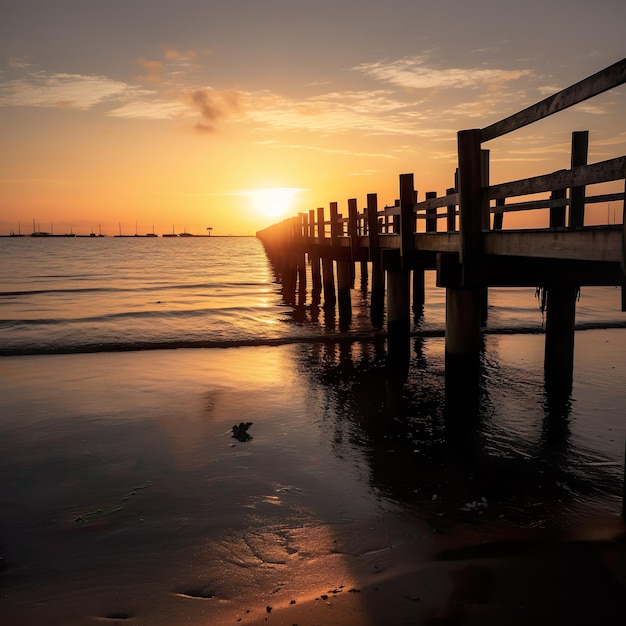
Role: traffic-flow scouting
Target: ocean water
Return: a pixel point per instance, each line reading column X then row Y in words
column 101, row 294
column 124, row 492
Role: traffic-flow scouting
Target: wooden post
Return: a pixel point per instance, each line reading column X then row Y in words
column 463, row 302
column 344, row 265
column 498, row 216
column 343, row 293
column 624, row 252
column 407, row 219
column 398, row 320
column 451, row 210
column 462, row 360
column 418, row 291
column 328, row 278
column 314, row 259
column 431, row 214
column 470, row 205
column 484, row 182
column 301, row 234
column 559, row 346
column 418, row 269
column 398, row 283
column 580, row 150
column 561, row 298
column 353, row 218
column 462, row 322
column 557, row 213
column 377, row 303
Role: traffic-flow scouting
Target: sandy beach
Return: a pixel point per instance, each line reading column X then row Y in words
column 126, row 500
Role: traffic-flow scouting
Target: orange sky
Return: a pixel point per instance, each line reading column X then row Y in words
column 161, row 114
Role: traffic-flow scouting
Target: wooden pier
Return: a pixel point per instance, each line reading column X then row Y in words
column 460, row 235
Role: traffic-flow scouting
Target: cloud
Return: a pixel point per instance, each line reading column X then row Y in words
column 213, row 105
column 326, row 150
column 371, row 112
column 413, row 73
column 176, row 55
column 76, row 91
column 154, row 69
column 150, row 107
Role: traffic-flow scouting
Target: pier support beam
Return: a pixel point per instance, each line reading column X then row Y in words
column 462, row 356
column 398, row 317
column 418, row 291
column 344, row 282
column 463, row 313
column 559, row 346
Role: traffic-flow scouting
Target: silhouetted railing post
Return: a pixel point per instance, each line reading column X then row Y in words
column 314, row 259
column 451, row 212
column 418, row 268
column 301, row 235
column 353, row 216
column 398, row 283
column 377, row 304
column 557, row 213
column 328, row 278
column 344, row 270
column 580, row 151
column 498, row 216
column 463, row 300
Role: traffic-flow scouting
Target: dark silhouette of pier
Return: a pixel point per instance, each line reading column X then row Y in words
column 461, row 236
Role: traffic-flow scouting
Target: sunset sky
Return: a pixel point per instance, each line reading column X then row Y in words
column 183, row 113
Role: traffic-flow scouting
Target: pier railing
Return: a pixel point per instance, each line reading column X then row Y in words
column 468, row 220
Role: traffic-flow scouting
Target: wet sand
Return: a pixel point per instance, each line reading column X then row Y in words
column 126, row 499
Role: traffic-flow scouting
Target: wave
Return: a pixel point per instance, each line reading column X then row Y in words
column 107, row 290
column 326, row 338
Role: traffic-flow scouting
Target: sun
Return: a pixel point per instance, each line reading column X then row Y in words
column 273, row 201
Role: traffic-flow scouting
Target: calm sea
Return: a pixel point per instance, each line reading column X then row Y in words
column 101, row 294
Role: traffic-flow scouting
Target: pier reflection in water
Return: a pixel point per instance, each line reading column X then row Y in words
column 439, row 444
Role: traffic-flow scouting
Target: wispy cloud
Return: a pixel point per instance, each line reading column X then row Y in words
column 77, row 91
column 168, row 92
column 314, row 147
column 151, row 107
column 414, row 73
column 372, row 112
column 177, row 55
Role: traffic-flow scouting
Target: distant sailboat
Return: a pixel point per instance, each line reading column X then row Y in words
column 37, row 232
column 172, row 234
